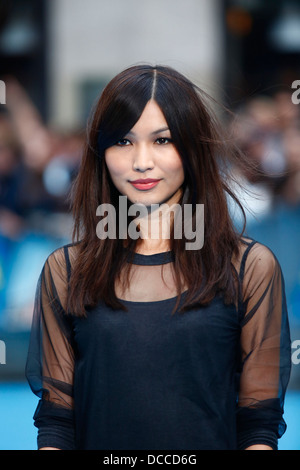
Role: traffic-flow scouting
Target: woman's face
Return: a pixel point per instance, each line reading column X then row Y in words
column 145, row 165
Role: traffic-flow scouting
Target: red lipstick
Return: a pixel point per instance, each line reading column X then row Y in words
column 144, row 184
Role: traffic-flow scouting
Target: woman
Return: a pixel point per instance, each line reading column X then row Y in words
column 138, row 342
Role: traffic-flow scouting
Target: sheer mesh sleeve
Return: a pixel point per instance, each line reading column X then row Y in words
column 265, row 349
column 50, row 362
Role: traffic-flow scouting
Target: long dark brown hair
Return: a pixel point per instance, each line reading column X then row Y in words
column 205, row 153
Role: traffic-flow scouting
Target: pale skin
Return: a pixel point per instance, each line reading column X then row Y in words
column 147, row 151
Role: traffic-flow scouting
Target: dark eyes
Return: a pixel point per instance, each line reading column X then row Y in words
column 123, row 142
column 159, row 141
column 163, row 140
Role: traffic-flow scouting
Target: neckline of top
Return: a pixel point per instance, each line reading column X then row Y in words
column 155, row 259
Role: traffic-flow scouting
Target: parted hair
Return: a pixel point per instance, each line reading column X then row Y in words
column 207, row 156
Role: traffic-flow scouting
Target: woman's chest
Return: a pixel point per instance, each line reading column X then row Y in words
column 151, row 332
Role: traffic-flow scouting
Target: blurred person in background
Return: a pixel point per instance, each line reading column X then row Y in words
column 11, row 213
column 12, row 223
column 50, row 158
column 289, row 122
column 267, row 129
column 37, row 167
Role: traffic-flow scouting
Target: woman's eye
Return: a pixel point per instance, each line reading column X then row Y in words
column 123, row 142
column 163, row 140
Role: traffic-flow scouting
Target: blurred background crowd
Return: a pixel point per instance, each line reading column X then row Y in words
column 55, row 58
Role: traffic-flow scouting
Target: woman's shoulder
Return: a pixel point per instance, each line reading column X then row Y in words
column 62, row 257
column 254, row 257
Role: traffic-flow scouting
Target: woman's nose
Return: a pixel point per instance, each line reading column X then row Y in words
column 143, row 159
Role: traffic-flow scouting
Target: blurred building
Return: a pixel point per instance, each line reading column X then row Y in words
column 94, row 40
column 64, row 51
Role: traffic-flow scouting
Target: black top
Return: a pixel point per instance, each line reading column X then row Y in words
column 210, row 378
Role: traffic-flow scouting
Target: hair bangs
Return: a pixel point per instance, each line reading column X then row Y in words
column 126, row 104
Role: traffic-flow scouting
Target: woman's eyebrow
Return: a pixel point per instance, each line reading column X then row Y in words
column 163, row 129
column 158, row 131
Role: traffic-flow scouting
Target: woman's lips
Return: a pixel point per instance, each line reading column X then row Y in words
column 144, row 184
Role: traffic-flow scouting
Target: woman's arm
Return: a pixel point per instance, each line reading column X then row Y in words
column 265, row 352
column 50, row 362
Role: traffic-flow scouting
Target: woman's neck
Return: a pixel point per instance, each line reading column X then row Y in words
column 151, row 247
column 156, row 227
